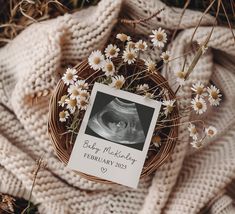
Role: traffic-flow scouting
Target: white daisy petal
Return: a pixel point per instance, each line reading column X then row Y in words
column 165, row 56
column 96, row 60
column 199, row 89
column 117, row 82
column 71, row 105
column 211, row 131
column 82, row 84
column 129, row 56
column 199, row 105
column 123, row 37
column 142, row 88
column 141, row 45
column 214, row 95
column 168, row 106
column 159, row 37
column 74, row 91
column 63, row 116
column 111, row 51
column 151, row 65
column 109, row 68
column 193, row 131
column 70, row 76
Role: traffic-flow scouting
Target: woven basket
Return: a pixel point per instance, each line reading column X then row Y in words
column 155, row 159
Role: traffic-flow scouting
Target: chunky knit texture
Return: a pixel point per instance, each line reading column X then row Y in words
column 30, row 66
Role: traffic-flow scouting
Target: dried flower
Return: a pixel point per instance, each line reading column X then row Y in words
column 71, row 104
column 156, row 139
column 193, row 131
column 197, row 144
column 130, row 46
column 199, row 105
column 204, row 49
column 181, row 77
column 111, row 51
column 199, row 89
column 142, row 88
column 159, row 37
column 149, row 95
column 83, row 104
column 151, row 66
column 165, row 56
column 84, row 94
column 70, row 76
column 117, row 82
column 62, row 100
column 96, row 60
column 129, row 56
column 82, row 84
column 63, row 115
column 141, row 45
column 168, row 106
column 214, row 95
column 74, row 91
column 123, row 37
column 211, row 131
column 109, row 68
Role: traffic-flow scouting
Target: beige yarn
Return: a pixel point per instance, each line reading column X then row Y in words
column 32, row 63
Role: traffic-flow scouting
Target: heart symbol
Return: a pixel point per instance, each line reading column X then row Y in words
column 103, row 170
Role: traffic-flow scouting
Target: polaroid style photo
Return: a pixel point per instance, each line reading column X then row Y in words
column 115, row 135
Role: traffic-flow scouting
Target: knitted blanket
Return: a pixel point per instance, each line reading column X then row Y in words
column 30, row 66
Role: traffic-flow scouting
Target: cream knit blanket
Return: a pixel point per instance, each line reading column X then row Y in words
column 29, row 69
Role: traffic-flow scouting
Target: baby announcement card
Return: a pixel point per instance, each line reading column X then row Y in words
column 115, row 135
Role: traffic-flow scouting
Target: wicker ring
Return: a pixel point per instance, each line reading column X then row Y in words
column 57, row 131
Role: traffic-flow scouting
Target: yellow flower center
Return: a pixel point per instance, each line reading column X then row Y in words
column 63, row 98
column 141, row 46
column 170, row 108
column 181, row 74
column 166, row 57
column 62, row 114
column 151, row 67
column 83, row 102
column 73, row 102
column 156, row 139
column 118, row 84
column 130, row 56
column 159, row 37
column 199, row 105
column 210, row 132
column 214, row 95
column 193, row 130
column 109, row 67
column 199, row 90
column 112, row 52
column 84, row 94
column 75, row 92
column 69, row 76
column 123, row 37
column 96, row 60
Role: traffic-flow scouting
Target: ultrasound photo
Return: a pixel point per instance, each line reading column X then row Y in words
column 119, row 120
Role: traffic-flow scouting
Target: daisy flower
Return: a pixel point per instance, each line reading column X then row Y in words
column 111, row 51
column 123, row 37
column 71, row 104
column 83, row 104
column 63, row 116
column 181, row 77
column 165, row 56
column 196, row 144
column 149, row 95
column 82, row 84
column 62, row 100
column 109, row 68
column 199, row 105
column 214, row 95
column 143, row 87
column 159, row 37
column 168, row 106
column 84, row 94
column 211, row 131
column 156, row 141
column 96, row 60
column 199, row 89
column 70, row 76
column 141, row 45
column 151, row 66
column 192, row 131
column 130, row 45
column 117, row 81
column 74, row 91
column 129, row 56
